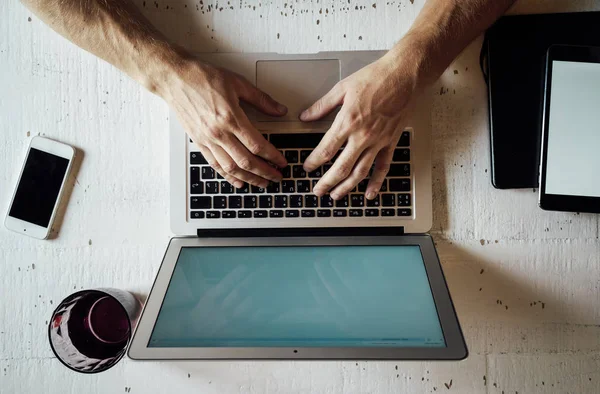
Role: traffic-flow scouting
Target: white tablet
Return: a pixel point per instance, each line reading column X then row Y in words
column 570, row 163
column 299, row 298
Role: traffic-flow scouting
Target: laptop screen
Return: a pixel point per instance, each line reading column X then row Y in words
column 321, row 296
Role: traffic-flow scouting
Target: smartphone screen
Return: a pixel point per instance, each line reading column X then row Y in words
column 39, row 187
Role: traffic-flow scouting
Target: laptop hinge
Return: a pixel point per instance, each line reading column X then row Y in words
column 301, row 232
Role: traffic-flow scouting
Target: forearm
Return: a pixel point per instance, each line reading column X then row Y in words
column 442, row 30
column 114, row 30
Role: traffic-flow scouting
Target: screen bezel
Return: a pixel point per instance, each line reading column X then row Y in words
column 53, row 148
column 455, row 345
column 556, row 202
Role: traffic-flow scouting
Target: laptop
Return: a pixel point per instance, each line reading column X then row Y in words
column 278, row 273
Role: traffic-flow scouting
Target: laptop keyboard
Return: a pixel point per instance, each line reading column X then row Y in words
column 212, row 197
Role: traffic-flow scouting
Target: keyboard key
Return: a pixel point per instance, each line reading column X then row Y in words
column 371, row 212
column 362, row 186
column 401, row 155
column 200, row 203
column 304, row 155
column 265, row 202
column 342, row 202
column 326, row 201
column 311, row 201
column 219, row 202
column 250, row 202
column 404, row 212
column 314, row 183
column 356, row 213
column 296, row 140
column 374, row 202
column 404, row 139
column 229, row 215
column 384, row 186
column 196, row 215
column 357, row 200
column 292, row 213
column 235, row 202
column 298, row 172
column 324, row 213
column 281, row 202
column 194, row 174
column 213, row 215
column 260, row 214
column 273, row 187
column 303, row 186
column 296, row 201
column 316, row 173
column 288, row 186
column 226, row 187
column 219, row 176
column 244, row 214
column 387, row 212
column 197, row 188
column 399, row 185
column 243, row 190
column 308, row 213
column 340, row 213
column 286, row 172
column 326, row 168
column 197, row 158
column 399, row 170
column 256, row 189
column 212, row 187
column 291, row 156
column 388, row 200
column 276, row 213
column 208, row 173
column 404, row 200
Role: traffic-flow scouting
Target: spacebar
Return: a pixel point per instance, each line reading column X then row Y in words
column 296, row 140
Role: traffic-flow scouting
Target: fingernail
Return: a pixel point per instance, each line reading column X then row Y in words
column 335, row 196
column 281, row 108
column 318, row 192
column 370, row 195
column 303, row 115
column 238, row 184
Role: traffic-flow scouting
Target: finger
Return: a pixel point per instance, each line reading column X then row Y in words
column 259, row 99
column 360, row 172
column 217, row 167
column 253, row 140
column 324, row 105
column 248, row 162
column 231, row 168
column 340, row 170
column 382, row 166
column 328, row 147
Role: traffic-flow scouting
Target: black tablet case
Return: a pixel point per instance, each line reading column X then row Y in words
column 513, row 56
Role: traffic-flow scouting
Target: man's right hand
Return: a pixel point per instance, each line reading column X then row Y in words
column 206, row 100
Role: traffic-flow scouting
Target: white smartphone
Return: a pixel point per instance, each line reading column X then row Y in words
column 41, row 183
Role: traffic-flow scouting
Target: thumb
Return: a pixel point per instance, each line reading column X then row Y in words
column 324, row 105
column 259, row 99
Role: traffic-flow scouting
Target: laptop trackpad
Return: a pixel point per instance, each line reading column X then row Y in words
column 296, row 83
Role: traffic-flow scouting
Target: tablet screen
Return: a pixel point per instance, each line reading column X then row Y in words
column 573, row 160
column 321, row 296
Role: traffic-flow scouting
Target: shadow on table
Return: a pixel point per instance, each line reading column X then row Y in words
column 501, row 311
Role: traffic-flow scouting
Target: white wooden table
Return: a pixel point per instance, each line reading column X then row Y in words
column 525, row 282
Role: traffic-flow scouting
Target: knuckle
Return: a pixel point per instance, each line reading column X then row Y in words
column 245, row 164
column 344, row 170
column 216, row 133
column 362, row 171
column 326, row 154
column 230, row 167
column 256, row 148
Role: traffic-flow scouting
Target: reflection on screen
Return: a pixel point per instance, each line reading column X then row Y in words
column 325, row 296
column 39, row 187
column 574, row 130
